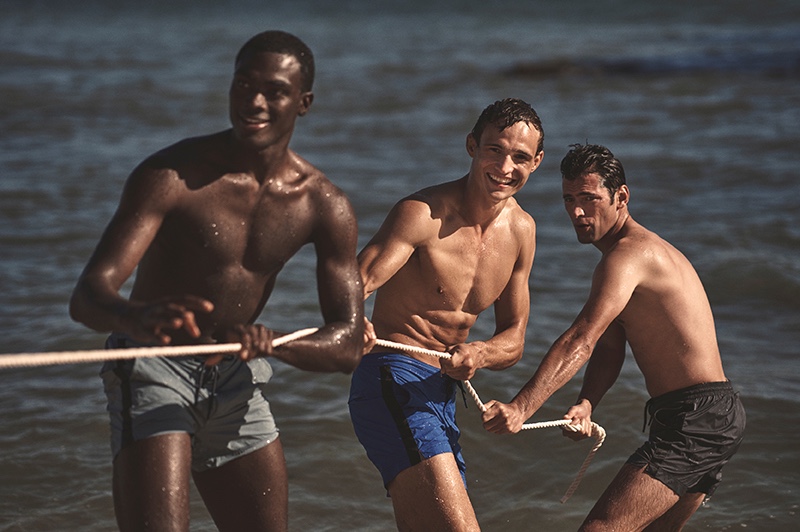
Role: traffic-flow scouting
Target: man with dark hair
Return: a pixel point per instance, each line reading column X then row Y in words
column 442, row 256
column 644, row 293
column 209, row 222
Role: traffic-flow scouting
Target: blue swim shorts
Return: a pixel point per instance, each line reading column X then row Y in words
column 222, row 407
column 403, row 412
column 694, row 432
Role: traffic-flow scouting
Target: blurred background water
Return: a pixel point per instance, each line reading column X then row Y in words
column 699, row 100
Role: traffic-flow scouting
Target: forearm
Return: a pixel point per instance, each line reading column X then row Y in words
column 597, row 380
column 502, row 350
column 559, row 365
column 336, row 347
column 98, row 307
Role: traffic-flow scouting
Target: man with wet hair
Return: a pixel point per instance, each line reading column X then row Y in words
column 442, row 256
column 646, row 294
column 209, row 222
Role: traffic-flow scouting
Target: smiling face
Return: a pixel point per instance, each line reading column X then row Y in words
column 266, row 99
column 592, row 210
column 503, row 160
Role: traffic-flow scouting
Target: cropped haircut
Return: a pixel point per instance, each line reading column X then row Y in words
column 592, row 158
column 505, row 113
column 280, row 42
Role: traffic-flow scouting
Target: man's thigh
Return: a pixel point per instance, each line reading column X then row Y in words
column 431, row 496
column 151, row 483
column 633, row 500
column 248, row 493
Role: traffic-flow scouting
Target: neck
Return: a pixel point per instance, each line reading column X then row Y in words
column 614, row 234
column 478, row 209
column 264, row 163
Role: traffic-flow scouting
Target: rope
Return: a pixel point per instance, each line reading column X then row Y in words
column 598, row 433
column 17, row 360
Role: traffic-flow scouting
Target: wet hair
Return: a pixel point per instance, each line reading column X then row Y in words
column 592, row 158
column 505, row 113
column 280, row 42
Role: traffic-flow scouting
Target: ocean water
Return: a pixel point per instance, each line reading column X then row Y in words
column 699, row 100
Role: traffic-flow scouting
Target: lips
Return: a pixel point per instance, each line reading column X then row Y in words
column 253, row 122
column 502, row 181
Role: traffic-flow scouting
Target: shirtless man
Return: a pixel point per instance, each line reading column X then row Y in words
column 644, row 292
column 210, row 221
column 442, row 256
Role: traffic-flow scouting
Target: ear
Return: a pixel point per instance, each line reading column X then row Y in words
column 537, row 160
column 305, row 103
column 472, row 145
column 623, row 195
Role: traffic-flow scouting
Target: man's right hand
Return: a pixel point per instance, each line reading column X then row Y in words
column 154, row 322
column 502, row 418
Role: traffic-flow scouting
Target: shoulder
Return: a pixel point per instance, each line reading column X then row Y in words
column 327, row 198
column 160, row 180
column 182, row 158
column 633, row 255
column 435, row 201
column 522, row 223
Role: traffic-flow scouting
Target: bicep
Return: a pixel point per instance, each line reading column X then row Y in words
column 130, row 232
column 405, row 228
column 338, row 279
column 613, row 283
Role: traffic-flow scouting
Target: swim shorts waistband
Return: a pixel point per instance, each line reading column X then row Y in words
column 690, row 392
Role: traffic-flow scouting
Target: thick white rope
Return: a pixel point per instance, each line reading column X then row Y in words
column 598, row 433
column 17, row 360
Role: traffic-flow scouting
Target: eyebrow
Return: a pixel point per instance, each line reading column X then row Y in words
column 515, row 152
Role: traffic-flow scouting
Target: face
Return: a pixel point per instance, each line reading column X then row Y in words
column 589, row 206
column 266, row 99
column 503, row 160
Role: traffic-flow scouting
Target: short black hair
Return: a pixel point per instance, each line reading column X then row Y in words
column 584, row 159
column 505, row 113
column 280, row 42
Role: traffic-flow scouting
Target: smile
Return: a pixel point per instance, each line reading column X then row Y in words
column 253, row 121
column 504, row 181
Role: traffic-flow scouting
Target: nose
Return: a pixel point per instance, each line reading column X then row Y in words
column 260, row 101
column 576, row 211
column 507, row 165
column 257, row 100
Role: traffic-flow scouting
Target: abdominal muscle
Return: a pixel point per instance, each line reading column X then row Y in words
column 435, row 330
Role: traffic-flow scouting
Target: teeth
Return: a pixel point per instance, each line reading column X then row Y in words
column 501, row 180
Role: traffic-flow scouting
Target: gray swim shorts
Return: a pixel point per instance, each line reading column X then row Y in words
column 222, row 407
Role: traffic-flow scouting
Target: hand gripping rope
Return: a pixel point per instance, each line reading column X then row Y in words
column 598, row 433
column 98, row 355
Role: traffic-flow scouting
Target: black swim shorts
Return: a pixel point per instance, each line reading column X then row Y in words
column 694, row 431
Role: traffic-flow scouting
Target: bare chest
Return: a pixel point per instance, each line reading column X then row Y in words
column 468, row 271
column 235, row 227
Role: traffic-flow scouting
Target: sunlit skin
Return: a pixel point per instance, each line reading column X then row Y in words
column 442, row 256
column 208, row 224
column 448, row 252
column 593, row 213
column 647, row 295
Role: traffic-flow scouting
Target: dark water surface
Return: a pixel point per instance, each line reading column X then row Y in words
column 700, row 102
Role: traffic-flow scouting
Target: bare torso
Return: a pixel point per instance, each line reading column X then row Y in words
column 668, row 321
column 225, row 235
column 457, row 271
